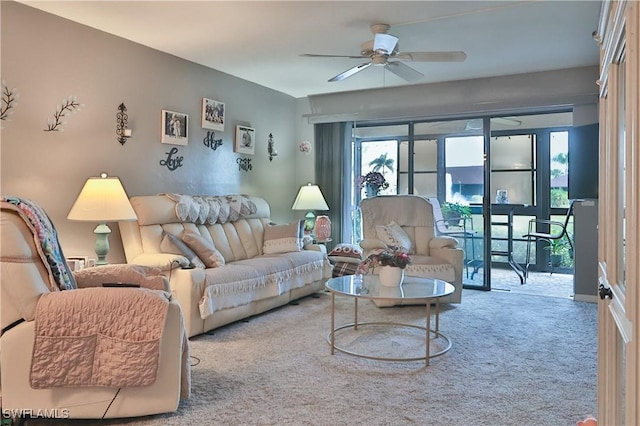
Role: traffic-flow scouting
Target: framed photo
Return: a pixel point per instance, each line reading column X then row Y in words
column 502, row 196
column 175, row 126
column 245, row 140
column 212, row 115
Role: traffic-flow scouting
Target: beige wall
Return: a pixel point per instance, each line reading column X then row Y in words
column 48, row 58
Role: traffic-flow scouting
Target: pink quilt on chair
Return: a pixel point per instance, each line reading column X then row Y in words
column 98, row 337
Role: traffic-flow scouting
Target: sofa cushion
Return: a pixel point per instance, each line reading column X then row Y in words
column 172, row 244
column 393, row 235
column 283, row 238
column 344, row 252
column 205, row 249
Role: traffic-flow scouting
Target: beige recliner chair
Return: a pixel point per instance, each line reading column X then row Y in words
column 25, row 281
column 431, row 256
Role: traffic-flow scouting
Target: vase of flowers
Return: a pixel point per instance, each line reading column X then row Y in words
column 391, row 276
column 372, row 182
column 391, row 262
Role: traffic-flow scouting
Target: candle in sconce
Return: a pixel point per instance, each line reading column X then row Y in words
column 128, row 133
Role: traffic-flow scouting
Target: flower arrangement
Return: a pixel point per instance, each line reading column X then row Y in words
column 375, row 179
column 392, row 256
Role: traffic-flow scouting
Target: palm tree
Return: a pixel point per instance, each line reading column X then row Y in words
column 563, row 159
column 381, row 163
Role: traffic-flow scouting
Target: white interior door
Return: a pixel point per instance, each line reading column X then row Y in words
column 619, row 213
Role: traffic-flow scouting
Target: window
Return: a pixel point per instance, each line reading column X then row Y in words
column 464, row 169
column 513, row 169
column 425, row 168
column 559, row 169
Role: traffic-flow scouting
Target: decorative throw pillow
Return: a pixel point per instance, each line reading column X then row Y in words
column 204, row 248
column 283, row 238
column 172, row 244
column 343, row 252
column 393, row 235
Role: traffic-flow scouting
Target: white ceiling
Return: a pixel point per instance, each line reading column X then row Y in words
column 261, row 41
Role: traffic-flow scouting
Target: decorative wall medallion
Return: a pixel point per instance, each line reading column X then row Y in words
column 9, row 97
column 68, row 106
column 212, row 115
column 172, row 162
column 210, row 141
column 245, row 140
column 305, row 147
column 175, row 126
column 244, row 164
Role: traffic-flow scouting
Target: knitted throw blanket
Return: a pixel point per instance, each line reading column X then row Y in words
column 47, row 243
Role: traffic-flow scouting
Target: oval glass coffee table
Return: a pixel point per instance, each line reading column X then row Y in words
column 412, row 288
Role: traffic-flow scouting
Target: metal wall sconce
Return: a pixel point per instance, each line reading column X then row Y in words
column 122, row 132
column 271, row 147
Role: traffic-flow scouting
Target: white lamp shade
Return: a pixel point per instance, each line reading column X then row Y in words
column 310, row 198
column 102, row 199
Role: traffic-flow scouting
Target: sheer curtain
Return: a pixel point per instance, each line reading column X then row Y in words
column 333, row 174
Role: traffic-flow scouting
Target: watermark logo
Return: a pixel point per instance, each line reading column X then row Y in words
column 8, row 414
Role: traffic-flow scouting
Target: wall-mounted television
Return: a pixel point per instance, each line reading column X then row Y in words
column 583, row 162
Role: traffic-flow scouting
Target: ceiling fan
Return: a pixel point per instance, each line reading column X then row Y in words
column 384, row 47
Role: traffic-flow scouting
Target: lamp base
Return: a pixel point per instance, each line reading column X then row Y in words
column 309, row 223
column 323, row 228
column 102, row 232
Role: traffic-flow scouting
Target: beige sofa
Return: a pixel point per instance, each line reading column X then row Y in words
column 431, row 256
column 248, row 282
column 29, row 290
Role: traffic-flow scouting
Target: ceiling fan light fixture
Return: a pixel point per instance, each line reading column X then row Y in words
column 384, row 43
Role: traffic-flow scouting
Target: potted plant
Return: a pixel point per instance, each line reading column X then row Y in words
column 453, row 213
column 373, row 182
column 556, row 251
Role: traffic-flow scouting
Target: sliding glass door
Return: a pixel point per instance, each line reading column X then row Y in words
column 481, row 166
column 464, row 170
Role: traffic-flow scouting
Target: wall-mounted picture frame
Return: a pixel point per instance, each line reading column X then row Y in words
column 245, row 142
column 502, row 196
column 175, row 127
column 212, row 115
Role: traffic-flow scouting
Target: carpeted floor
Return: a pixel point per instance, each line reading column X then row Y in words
column 516, row 359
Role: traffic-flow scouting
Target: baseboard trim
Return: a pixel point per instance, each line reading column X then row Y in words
column 585, row 298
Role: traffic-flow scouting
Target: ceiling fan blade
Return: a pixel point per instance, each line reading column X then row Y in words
column 313, row 55
column 507, row 121
column 351, row 71
column 384, row 43
column 404, row 71
column 455, row 56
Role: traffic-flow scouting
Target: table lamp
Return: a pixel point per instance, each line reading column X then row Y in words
column 102, row 200
column 310, row 198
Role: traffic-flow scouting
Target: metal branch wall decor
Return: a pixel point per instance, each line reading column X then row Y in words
column 172, row 162
column 9, row 97
column 68, row 106
column 210, row 141
column 121, row 128
column 244, row 164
